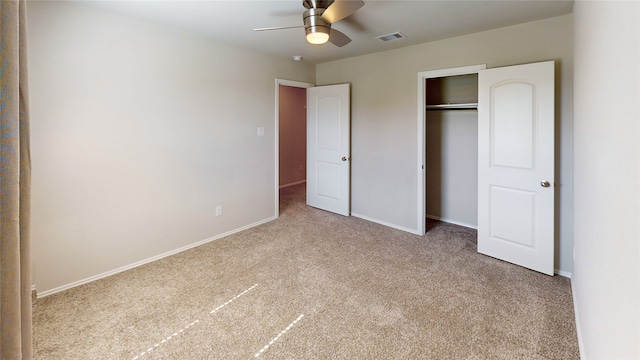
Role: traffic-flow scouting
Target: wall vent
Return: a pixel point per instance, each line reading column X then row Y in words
column 391, row 37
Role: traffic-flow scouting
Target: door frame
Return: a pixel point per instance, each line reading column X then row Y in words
column 422, row 77
column 291, row 83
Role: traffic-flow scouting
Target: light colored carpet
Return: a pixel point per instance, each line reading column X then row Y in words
column 315, row 285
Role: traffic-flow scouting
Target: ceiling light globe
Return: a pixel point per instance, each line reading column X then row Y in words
column 317, row 36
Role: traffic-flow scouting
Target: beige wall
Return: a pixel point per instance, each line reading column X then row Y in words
column 292, row 138
column 138, row 132
column 385, row 125
column 606, row 281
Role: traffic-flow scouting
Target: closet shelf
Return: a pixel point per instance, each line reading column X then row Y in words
column 465, row 106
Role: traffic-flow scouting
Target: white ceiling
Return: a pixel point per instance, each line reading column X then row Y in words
column 420, row 21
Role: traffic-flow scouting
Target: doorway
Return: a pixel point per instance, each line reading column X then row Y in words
column 290, row 130
column 423, row 77
column 451, row 157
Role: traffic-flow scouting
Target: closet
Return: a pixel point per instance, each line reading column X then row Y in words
column 488, row 157
column 451, row 149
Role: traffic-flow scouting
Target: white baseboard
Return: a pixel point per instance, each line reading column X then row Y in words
column 452, row 222
column 412, row 231
column 578, row 332
column 292, row 184
column 563, row 273
column 151, row 259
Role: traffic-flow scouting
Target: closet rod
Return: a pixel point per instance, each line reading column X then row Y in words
column 465, row 106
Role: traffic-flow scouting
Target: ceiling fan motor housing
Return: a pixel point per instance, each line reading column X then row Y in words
column 314, row 22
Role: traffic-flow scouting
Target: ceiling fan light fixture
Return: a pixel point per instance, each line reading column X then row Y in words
column 317, row 35
column 319, row 16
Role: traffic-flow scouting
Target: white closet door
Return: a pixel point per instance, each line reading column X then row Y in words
column 516, row 165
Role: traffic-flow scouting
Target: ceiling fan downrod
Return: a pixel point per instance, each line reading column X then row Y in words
column 317, row 4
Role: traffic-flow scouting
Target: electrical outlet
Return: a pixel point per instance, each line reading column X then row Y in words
column 219, row 210
column 261, row 131
column 300, row 168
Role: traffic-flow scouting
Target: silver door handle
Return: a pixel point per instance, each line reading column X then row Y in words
column 545, row 183
column 344, row 158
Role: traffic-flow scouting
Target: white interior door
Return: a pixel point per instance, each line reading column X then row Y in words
column 516, row 165
column 328, row 148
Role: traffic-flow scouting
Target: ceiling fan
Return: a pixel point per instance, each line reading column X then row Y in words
column 319, row 16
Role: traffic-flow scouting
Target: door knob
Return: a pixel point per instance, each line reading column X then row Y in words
column 545, row 183
column 344, row 158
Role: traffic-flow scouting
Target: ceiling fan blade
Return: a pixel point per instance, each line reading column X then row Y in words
column 338, row 39
column 278, row 28
column 340, row 9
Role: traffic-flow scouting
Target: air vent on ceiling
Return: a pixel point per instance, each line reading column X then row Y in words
column 391, row 37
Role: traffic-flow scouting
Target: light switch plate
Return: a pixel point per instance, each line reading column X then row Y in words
column 261, row 131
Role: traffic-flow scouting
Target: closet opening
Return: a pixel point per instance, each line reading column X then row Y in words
column 451, row 149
